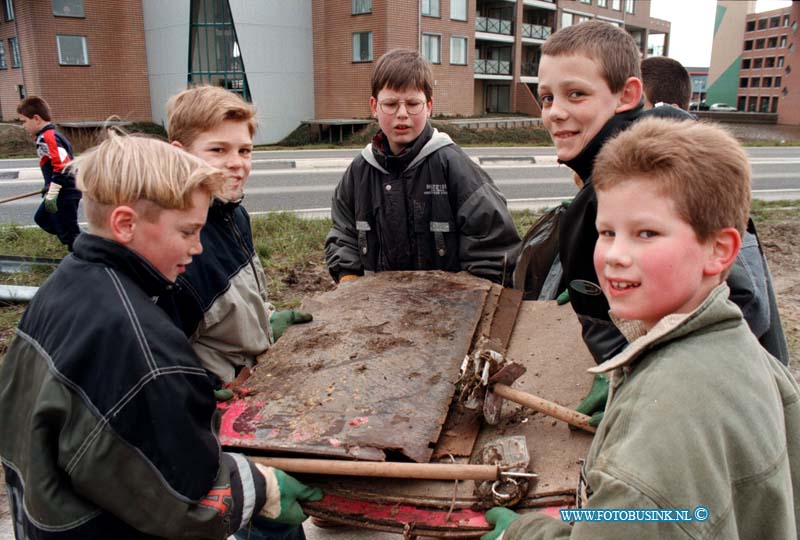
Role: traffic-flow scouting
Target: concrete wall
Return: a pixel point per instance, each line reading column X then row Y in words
column 726, row 52
column 275, row 41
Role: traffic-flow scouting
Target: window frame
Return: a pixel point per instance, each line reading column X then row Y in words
column 602, row 3
column 370, row 50
column 454, row 3
column 465, row 40
column 422, row 48
column 8, row 10
column 16, row 55
column 85, row 46
column 758, row 63
column 616, row 5
column 430, row 3
column 746, row 63
column 356, row 3
column 3, row 61
column 56, row 14
column 630, row 6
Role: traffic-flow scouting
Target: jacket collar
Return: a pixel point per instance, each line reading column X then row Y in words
column 714, row 309
column 45, row 128
column 584, row 162
column 95, row 249
column 390, row 162
column 224, row 207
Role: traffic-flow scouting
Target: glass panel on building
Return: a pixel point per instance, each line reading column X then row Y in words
column 757, row 62
column 775, row 22
column 752, row 102
column 602, row 3
column 760, row 43
column 774, row 107
column 766, row 82
column 214, row 54
column 755, row 82
column 458, row 50
column 762, row 23
column 3, row 64
column 362, row 47
column 778, row 82
column 769, row 61
column 743, row 82
column 566, row 19
column 615, row 4
column 780, row 61
column 13, row 47
column 72, row 51
column 432, row 48
column 430, row 8
column 629, row 6
column 748, row 45
column 8, row 8
column 742, row 103
column 68, row 8
column 783, row 41
column 785, row 20
column 772, row 42
column 458, row 10
column 764, row 105
column 362, row 6
column 498, row 98
column 751, row 25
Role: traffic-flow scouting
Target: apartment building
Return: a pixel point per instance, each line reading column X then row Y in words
column 757, row 75
column 296, row 61
column 485, row 53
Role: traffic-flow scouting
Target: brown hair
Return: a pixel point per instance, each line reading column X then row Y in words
column 399, row 69
column 666, row 80
column 140, row 171
column 701, row 167
column 203, row 108
column 34, row 105
column 608, row 45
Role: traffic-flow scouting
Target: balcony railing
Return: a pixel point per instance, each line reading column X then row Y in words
column 492, row 67
column 536, row 31
column 493, row 26
column 529, row 69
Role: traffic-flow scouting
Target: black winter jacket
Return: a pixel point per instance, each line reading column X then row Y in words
column 106, row 417
column 429, row 208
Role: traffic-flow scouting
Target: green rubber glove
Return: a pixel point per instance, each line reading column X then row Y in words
column 291, row 491
column 223, row 394
column 501, row 518
column 281, row 320
column 563, row 298
column 594, row 404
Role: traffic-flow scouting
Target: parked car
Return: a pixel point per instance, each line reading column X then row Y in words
column 695, row 106
column 721, row 107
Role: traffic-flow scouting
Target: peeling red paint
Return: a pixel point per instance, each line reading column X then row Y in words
column 358, row 420
column 231, row 413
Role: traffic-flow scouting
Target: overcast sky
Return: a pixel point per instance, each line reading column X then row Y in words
column 692, row 29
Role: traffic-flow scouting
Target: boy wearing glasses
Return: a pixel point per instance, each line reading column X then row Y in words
column 413, row 200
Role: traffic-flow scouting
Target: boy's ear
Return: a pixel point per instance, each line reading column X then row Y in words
column 630, row 96
column 122, row 224
column 176, row 144
column 373, row 106
column 724, row 247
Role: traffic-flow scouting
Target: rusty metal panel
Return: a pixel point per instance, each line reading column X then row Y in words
column 374, row 373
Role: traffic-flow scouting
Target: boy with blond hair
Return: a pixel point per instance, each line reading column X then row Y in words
column 222, row 303
column 413, row 200
column 591, row 89
column 105, row 413
column 700, row 416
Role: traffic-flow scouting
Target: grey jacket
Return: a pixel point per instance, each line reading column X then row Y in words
column 699, row 414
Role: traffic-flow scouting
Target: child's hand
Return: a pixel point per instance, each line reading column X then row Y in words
column 501, row 518
column 281, row 320
column 51, row 198
column 290, row 492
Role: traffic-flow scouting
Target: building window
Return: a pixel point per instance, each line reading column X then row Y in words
column 586, row 2
column 742, row 103
column 760, row 43
column 774, row 107
column 214, row 55
column 8, row 6
column 757, row 62
column 748, row 45
column 764, row 105
column 458, row 51
column 762, row 23
column 458, row 10
column 362, row 6
column 743, row 82
column 794, row 27
column 629, row 6
column 68, row 8
column 783, row 41
column 72, row 51
column 432, row 48
column 755, row 82
column 767, row 82
column 602, row 3
column 362, row 46
column 780, row 61
column 430, row 8
column 13, row 47
column 777, row 82
column 566, row 19
column 772, row 42
column 785, row 20
column 616, row 4
column 751, row 104
column 3, row 64
column 785, row 91
column 791, row 48
column 769, row 62
column 751, row 25
column 775, row 22
column 746, row 63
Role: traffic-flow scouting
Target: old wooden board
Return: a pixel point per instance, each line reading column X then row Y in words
column 373, row 374
column 546, row 339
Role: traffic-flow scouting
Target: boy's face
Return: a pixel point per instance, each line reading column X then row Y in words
column 401, row 114
column 170, row 242
column 31, row 125
column 576, row 101
column 648, row 259
column 228, row 147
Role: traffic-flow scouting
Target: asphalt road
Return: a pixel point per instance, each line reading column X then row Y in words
column 275, row 186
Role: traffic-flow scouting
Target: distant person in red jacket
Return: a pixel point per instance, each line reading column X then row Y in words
column 58, row 213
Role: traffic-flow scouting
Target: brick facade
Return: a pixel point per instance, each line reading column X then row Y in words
column 789, row 104
column 114, row 83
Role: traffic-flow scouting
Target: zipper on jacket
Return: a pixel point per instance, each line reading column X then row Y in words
column 229, row 221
